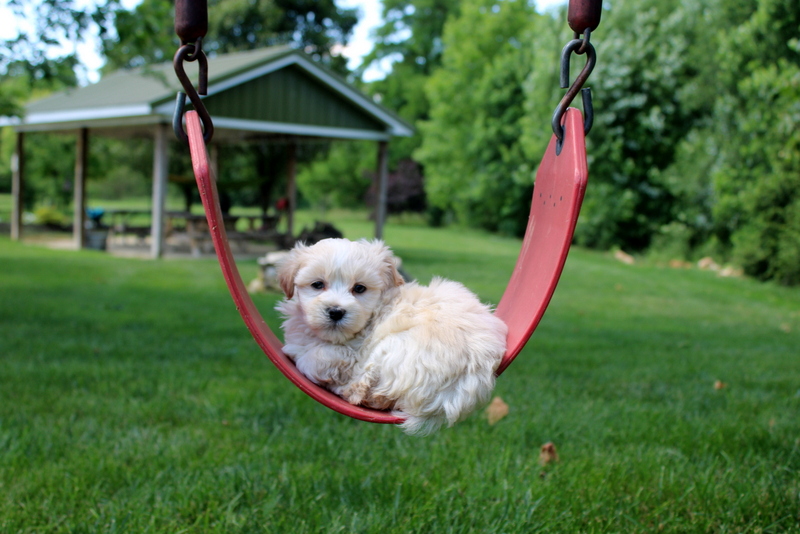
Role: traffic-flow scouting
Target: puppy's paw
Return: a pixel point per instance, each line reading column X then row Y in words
column 356, row 392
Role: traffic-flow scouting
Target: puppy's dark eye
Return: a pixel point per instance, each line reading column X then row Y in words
column 318, row 285
column 359, row 288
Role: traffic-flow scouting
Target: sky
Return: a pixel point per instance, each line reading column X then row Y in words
column 360, row 43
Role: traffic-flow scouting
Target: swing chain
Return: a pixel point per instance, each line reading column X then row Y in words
column 583, row 18
column 191, row 24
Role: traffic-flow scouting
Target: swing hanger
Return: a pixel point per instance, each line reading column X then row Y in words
column 191, row 25
column 577, row 86
column 583, row 18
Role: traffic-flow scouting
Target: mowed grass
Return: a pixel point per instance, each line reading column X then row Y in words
column 133, row 400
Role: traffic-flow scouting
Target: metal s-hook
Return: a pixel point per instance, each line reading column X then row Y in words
column 191, row 52
column 577, row 86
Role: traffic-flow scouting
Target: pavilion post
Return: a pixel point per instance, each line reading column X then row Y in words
column 17, row 186
column 79, row 189
column 291, row 187
column 213, row 159
column 160, row 169
column 383, row 174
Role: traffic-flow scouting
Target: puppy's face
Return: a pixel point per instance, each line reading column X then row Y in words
column 338, row 284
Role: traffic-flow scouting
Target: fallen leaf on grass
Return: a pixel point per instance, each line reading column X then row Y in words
column 679, row 264
column 624, row 257
column 708, row 264
column 548, row 454
column 496, row 410
column 719, row 384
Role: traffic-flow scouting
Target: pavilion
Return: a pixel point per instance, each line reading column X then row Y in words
column 276, row 92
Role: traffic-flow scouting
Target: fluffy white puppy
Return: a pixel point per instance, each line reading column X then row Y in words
column 353, row 326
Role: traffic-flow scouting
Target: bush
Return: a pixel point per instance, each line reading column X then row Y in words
column 50, row 216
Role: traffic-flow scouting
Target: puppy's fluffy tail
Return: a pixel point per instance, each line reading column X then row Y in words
column 415, row 425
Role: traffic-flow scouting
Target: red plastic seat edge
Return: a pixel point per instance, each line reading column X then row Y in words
column 265, row 338
column 548, row 236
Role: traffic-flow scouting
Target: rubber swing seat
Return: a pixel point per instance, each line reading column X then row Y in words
column 557, row 197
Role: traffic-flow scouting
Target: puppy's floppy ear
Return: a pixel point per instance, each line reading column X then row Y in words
column 288, row 267
column 390, row 262
column 394, row 275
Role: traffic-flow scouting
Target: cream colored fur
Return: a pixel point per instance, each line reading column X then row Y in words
column 427, row 353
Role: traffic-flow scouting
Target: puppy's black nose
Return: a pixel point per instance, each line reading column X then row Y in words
column 336, row 314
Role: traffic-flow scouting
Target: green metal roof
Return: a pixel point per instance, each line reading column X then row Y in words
column 269, row 90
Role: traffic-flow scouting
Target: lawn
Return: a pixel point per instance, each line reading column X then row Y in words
column 133, row 400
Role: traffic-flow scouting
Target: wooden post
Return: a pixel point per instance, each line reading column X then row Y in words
column 291, row 187
column 17, row 186
column 79, row 189
column 160, row 169
column 213, row 158
column 383, row 173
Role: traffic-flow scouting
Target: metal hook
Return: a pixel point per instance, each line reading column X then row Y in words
column 191, row 52
column 576, row 86
column 587, row 35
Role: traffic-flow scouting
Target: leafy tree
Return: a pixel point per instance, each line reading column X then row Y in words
column 410, row 38
column 412, row 34
column 340, row 177
column 31, row 70
column 233, row 25
column 142, row 36
column 474, row 162
column 757, row 119
column 642, row 112
column 27, row 62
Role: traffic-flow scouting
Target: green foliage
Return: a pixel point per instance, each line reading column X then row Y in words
column 233, row 25
column 759, row 175
column 759, row 178
column 49, row 215
column 50, row 166
column 411, row 34
column 694, row 146
column 340, row 178
column 647, row 52
column 49, row 21
column 142, row 36
column 474, row 164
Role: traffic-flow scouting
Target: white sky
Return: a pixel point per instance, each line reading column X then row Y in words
column 360, row 42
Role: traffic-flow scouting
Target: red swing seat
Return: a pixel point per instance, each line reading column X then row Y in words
column 557, row 197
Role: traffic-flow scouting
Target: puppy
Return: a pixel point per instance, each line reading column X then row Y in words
column 352, row 325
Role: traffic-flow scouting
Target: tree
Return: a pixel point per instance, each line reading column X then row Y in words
column 27, row 60
column 233, row 25
column 411, row 41
column 141, row 36
column 412, row 33
column 647, row 60
column 756, row 125
column 474, row 163
column 340, row 177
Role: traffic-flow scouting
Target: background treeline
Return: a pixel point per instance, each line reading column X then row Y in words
column 694, row 149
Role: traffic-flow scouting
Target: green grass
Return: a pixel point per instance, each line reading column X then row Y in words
column 133, row 400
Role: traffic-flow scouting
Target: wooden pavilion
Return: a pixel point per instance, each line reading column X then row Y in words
column 270, row 92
